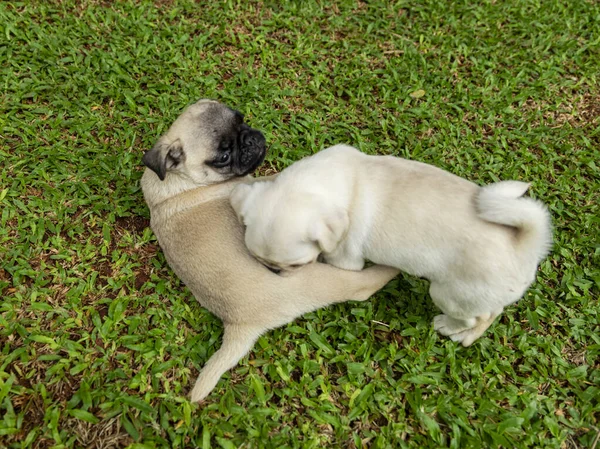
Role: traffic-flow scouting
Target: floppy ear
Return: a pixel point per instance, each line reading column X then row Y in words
column 238, row 200
column 329, row 231
column 164, row 156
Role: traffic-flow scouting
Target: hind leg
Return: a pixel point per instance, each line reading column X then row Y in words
column 448, row 326
column 465, row 316
column 313, row 287
column 321, row 285
column 465, row 331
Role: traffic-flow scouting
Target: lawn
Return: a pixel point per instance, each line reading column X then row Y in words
column 99, row 341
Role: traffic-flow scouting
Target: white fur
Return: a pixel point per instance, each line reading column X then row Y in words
column 479, row 247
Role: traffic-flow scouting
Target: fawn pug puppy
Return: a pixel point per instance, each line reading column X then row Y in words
column 191, row 172
column 479, row 246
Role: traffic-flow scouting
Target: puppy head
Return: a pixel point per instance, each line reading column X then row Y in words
column 207, row 144
column 287, row 232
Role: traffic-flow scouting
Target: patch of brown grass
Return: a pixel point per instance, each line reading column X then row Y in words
column 573, row 355
column 104, row 435
column 582, row 111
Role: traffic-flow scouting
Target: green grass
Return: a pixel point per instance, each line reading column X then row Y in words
column 100, row 343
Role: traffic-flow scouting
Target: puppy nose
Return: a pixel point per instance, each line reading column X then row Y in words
column 251, row 138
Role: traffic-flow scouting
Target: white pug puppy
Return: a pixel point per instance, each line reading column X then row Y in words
column 479, row 246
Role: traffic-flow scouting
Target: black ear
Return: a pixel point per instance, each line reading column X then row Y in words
column 154, row 160
column 164, row 156
column 175, row 154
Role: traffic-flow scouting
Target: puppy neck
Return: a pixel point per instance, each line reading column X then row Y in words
column 167, row 198
column 157, row 191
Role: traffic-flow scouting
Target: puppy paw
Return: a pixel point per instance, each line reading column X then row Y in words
column 467, row 337
column 462, row 331
column 449, row 326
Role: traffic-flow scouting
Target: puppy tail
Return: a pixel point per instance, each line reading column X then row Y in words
column 503, row 203
column 237, row 342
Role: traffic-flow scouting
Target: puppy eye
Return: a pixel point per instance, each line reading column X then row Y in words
column 222, row 160
column 295, row 266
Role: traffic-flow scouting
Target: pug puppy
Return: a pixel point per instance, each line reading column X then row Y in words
column 191, row 172
column 479, row 246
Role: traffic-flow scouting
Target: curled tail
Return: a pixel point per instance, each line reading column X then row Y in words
column 503, row 203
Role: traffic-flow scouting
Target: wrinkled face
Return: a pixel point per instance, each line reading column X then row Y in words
column 209, row 143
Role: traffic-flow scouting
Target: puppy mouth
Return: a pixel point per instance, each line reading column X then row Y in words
column 273, row 270
column 285, row 271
